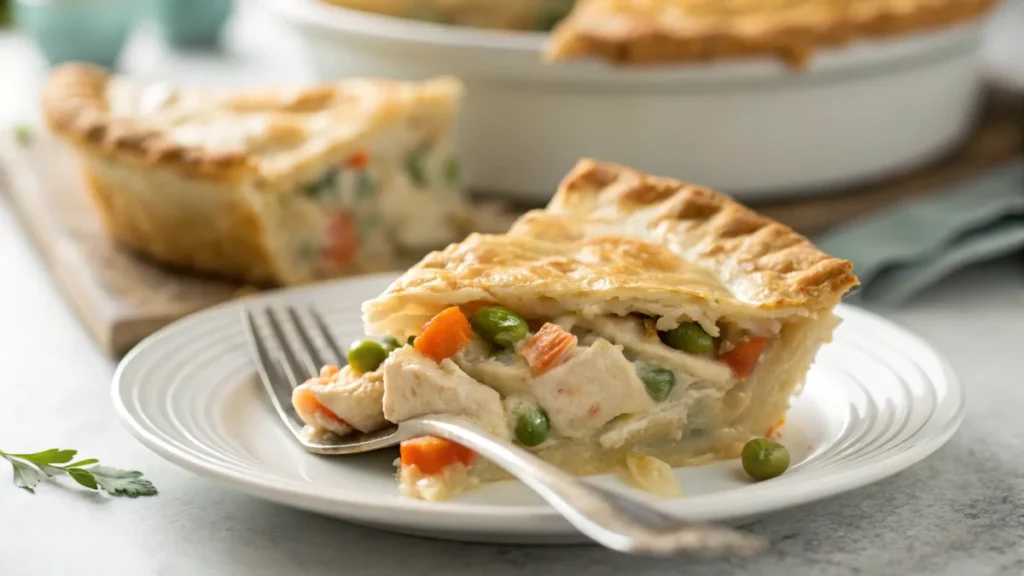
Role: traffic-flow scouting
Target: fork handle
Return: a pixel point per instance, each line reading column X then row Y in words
column 613, row 520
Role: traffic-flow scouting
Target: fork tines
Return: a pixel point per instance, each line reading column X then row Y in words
column 286, row 354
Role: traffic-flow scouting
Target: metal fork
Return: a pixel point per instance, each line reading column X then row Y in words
column 612, row 519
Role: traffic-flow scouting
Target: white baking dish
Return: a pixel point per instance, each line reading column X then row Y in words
column 753, row 128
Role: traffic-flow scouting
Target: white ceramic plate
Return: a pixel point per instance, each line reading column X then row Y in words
column 877, row 401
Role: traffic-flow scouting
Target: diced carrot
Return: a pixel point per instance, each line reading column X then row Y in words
column 549, row 347
column 444, row 335
column 432, row 455
column 774, row 431
column 470, row 308
column 744, row 357
column 359, row 159
column 328, row 370
column 306, row 403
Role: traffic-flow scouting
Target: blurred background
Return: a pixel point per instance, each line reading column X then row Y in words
column 862, row 148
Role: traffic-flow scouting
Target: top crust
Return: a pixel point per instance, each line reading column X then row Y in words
column 660, row 31
column 616, row 241
column 228, row 135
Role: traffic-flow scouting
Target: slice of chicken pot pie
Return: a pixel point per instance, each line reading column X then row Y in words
column 634, row 315
column 270, row 186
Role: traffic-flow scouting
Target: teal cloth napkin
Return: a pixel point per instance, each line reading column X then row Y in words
column 901, row 252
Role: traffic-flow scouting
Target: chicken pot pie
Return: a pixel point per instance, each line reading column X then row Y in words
column 281, row 186
column 634, row 315
column 667, row 31
column 660, row 31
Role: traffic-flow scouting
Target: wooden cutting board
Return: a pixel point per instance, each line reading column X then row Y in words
column 122, row 298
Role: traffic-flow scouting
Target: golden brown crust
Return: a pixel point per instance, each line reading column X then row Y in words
column 229, row 242
column 616, row 241
column 224, row 135
column 76, row 107
column 219, row 182
column 714, row 228
column 661, row 31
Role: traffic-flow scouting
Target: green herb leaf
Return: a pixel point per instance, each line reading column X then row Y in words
column 26, row 476
column 121, row 482
column 83, row 477
column 31, row 469
column 51, row 456
column 81, row 463
column 414, row 166
column 51, row 471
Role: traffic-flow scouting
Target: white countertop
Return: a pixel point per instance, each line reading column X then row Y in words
column 960, row 511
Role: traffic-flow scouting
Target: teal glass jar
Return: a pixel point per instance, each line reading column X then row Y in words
column 83, row 30
column 192, row 23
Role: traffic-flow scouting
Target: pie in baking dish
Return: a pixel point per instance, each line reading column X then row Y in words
column 276, row 186
column 635, row 315
column 664, row 31
column 658, row 31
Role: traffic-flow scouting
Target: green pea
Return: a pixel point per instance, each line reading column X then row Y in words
column 688, row 337
column 411, row 341
column 390, row 344
column 499, row 326
column 532, row 427
column 366, row 355
column 763, row 458
column 659, row 381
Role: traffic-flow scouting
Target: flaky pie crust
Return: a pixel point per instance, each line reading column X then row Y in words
column 660, row 31
column 207, row 206
column 615, row 240
column 77, row 106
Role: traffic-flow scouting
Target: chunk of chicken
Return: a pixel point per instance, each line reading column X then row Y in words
column 595, row 385
column 354, row 398
column 415, row 385
column 509, row 374
column 666, row 422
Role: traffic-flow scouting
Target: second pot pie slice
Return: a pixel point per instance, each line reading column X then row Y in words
column 634, row 315
column 271, row 186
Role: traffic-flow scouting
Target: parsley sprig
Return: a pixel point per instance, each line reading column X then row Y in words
column 31, row 469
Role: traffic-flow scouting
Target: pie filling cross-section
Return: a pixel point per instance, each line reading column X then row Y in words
column 270, row 186
column 634, row 315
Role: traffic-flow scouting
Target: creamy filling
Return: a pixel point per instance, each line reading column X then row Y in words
column 618, row 386
column 392, row 198
column 412, row 483
column 620, row 390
